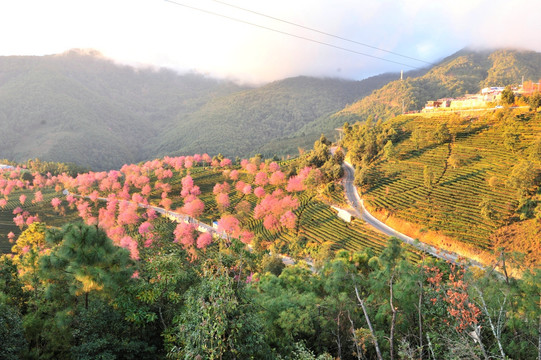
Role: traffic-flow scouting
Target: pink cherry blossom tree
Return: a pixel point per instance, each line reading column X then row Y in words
column 222, row 200
column 261, row 178
column 56, row 202
column 288, row 219
column 225, row 162
column 246, row 236
column 273, row 167
column 295, row 184
column 38, row 197
column 193, row 208
column 127, row 213
column 204, row 240
column 259, row 192
column 277, row 178
column 129, row 243
column 184, row 234
column 229, row 225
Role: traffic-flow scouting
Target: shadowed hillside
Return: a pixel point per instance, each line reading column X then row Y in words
column 80, row 107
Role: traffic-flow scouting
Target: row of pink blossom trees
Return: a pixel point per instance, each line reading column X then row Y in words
column 129, row 192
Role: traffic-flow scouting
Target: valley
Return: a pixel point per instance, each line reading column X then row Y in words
column 399, row 236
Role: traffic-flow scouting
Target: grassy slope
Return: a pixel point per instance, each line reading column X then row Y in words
column 451, row 207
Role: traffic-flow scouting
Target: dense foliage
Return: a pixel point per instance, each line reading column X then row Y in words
column 226, row 305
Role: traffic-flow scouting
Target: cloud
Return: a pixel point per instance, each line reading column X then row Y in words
column 165, row 34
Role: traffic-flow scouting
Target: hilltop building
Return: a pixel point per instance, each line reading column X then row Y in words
column 491, row 94
column 468, row 101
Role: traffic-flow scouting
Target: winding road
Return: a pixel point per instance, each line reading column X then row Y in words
column 358, row 210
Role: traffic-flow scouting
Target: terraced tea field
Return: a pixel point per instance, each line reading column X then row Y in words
column 472, row 168
column 43, row 209
column 316, row 222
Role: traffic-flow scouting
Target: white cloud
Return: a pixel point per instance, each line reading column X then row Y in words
column 161, row 33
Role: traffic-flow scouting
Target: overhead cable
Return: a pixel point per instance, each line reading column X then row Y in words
column 289, row 34
column 321, row 32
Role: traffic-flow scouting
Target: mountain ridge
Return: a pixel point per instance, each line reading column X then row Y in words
column 466, row 71
column 81, row 107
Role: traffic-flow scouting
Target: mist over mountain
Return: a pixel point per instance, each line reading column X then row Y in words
column 80, row 107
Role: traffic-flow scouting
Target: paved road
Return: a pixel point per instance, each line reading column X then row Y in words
column 358, row 210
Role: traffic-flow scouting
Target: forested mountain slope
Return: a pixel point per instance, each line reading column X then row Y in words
column 81, row 107
column 250, row 121
column 466, row 71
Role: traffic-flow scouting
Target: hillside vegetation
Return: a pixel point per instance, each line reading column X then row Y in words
column 312, row 225
column 470, row 183
column 467, row 71
column 80, row 107
column 129, row 283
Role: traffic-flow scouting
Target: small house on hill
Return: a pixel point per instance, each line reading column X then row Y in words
column 432, row 104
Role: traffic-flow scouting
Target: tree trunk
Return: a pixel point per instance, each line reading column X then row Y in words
column 419, row 310
column 495, row 331
column 355, row 340
column 483, row 350
column 430, row 346
column 374, row 338
column 338, row 340
column 393, row 318
column 477, row 331
column 505, row 268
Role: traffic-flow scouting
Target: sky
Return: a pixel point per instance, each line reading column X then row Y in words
column 171, row 33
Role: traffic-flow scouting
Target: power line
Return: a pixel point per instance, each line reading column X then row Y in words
column 289, row 34
column 321, row 32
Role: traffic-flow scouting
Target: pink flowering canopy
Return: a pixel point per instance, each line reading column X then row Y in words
column 259, row 192
column 230, row 225
column 204, row 240
column 184, row 234
column 194, row 208
column 222, row 200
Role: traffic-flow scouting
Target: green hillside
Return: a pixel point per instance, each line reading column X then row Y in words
column 249, row 121
column 471, row 182
column 80, row 107
column 467, row 71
